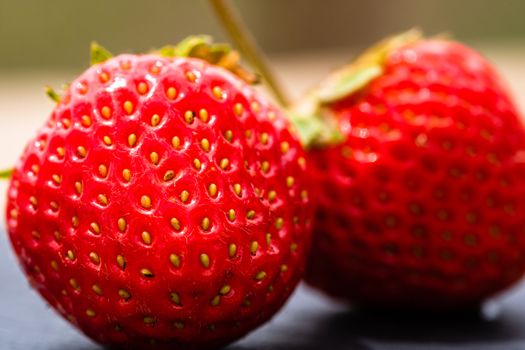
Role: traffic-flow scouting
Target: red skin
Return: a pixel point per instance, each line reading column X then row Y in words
column 423, row 205
column 150, row 316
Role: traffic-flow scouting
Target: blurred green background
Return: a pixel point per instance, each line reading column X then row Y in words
column 56, row 33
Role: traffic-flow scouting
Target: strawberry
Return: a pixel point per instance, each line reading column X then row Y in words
column 162, row 203
column 419, row 165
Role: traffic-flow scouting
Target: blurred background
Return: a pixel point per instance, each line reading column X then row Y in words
column 47, row 42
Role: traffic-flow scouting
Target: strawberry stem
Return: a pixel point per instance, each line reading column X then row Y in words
column 52, row 94
column 6, row 174
column 239, row 33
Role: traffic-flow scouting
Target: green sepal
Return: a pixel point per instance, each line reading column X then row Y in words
column 52, row 94
column 6, row 174
column 203, row 47
column 367, row 67
column 99, row 54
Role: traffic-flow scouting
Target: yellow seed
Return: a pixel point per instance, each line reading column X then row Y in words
column 271, row 115
column 104, row 77
column 237, row 189
column 225, row 289
column 290, row 181
column 78, row 187
column 232, row 250
column 184, row 195
column 61, row 152
column 231, row 214
column 175, row 223
column 75, row 221
column 279, row 223
column 255, row 106
column 86, row 120
column 224, row 163
column 106, row 112
column 103, row 170
column 71, row 255
column 238, row 109
column 188, row 117
column 250, row 215
column 169, row 175
column 107, row 140
column 268, row 238
column 284, row 268
column 260, row 275
column 149, row 320
column 253, row 247
column 126, row 174
column 33, row 201
column 217, row 92
column 95, row 227
column 35, row 234
column 293, row 247
column 197, row 164
column 228, row 135
column 103, row 199
column 146, row 237
column 73, row 282
column 35, row 168
column 212, row 190
column 81, row 151
column 66, row 122
column 121, row 223
column 175, row 141
column 205, row 224
column 191, row 76
column 205, row 260
column 96, row 288
column 205, row 145
column 154, row 158
column 128, row 107
column 175, row 298
column 265, row 166
column 146, row 273
column 216, row 300
column 132, row 140
column 142, row 88
column 272, row 195
column 248, row 134
column 203, row 115
column 304, row 194
column 264, row 138
column 57, row 179
column 124, row 294
column 90, row 313
column 175, row 260
column 94, row 257
column 178, row 325
column 171, row 92
column 155, row 69
column 155, row 120
column 54, row 265
column 121, row 262
column 285, row 147
column 145, row 202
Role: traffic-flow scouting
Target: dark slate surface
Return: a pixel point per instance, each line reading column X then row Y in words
column 309, row 321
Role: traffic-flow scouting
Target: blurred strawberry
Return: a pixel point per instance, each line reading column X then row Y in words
column 419, row 159
column 162, row 203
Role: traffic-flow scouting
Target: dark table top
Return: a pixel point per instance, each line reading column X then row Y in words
column 309, row 321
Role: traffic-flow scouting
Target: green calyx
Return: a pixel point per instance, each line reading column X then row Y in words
column 52, row 94
column 6, row 174
column 203, row 47
column 316, row 123
column 98, row 54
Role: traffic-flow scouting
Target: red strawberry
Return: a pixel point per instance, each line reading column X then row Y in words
column 162, row 203
column 421, row 203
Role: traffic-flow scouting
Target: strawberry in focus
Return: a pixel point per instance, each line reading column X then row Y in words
column 162, row 203
column 420, row 178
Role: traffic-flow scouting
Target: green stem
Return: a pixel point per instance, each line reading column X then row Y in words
column 247, row 45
